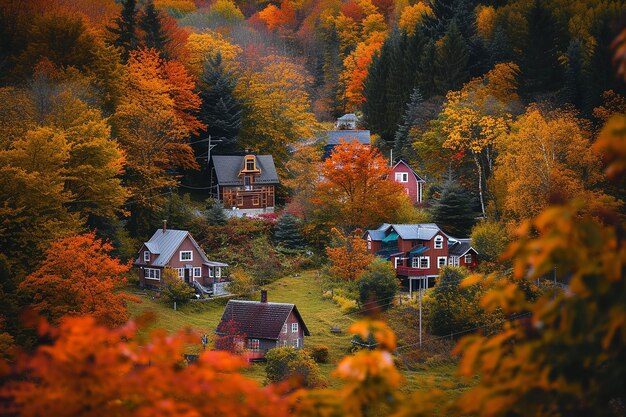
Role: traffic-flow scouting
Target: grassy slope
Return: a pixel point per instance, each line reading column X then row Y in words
column 319, row 315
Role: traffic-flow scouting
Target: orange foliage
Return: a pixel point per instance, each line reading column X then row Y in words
column 350, row 257
column 352, row 10
column 78, row 277
column 356, row 66
column 279, row 18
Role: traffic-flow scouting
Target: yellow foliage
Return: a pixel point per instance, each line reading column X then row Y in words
column 485, row 21
column 412, row 15
column 228, row 10
column 208, row 44
column 181, row 6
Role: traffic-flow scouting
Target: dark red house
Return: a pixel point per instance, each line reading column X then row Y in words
column 246, row 183
column 413, row 184
column 177, row 249
column 263, row 325
column 420, row 251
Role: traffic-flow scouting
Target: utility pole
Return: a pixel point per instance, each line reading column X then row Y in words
column 208, row 162
column 421, row 280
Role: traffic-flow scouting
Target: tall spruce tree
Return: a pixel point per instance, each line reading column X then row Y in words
column 403, row 148
column 125, row 29
column 451, row 61
column 220, row 110
column 287, row 232
column 453, row 211
column 574, row 83
column 154, row 34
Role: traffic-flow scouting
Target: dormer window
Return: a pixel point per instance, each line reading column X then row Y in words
column 439, row 242
column 250, row 163
column 146, row 256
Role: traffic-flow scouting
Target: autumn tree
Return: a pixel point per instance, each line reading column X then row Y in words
column 353, row 185
column 302, row 175
column 154, row 34
column 348, row 255
column 175, row 290
column 76, row 277
column 378, row 285
column 287, row 363
column 124, row 32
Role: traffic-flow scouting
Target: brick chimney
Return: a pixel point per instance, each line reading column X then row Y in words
column 264, row 296
column 164, row 226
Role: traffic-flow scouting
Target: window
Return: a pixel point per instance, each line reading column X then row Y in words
column 454, row 261
column 254, row 344
column 146, row 256
column 424, row 262
column 296, row 343
column 211, row 271
column 441, row 261
column 197, row 272
column 397, row 261
column 415, row 262
column 247, row 182
column 294, row 327
column 284, row 343
column 369, row 242
column 250, row 163
column 186, row 255
column 151, row 273
column 402, row 176
column 218, row 272
column 439, row 242
column 240, row 200
column 468, row 258
column 255, row 200
column 285, row 328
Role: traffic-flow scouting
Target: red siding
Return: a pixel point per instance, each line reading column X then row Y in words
column 411, row 187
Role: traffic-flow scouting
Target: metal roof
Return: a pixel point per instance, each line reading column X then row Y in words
column 419, row 179
column 332, row 137
column 227, row 168
column 258, row 320
column 460, row 247
column 348, row 117
column 165, row 243
column 376, row 235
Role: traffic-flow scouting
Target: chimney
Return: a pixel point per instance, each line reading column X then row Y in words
column 264, row 296
column 164, row 226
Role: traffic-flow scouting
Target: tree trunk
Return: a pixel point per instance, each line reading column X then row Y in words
column 480, row 184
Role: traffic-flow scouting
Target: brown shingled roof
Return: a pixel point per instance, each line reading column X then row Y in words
column 257, row 320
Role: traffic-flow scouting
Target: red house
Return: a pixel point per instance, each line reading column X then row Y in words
column 177, row 249
column 420, row 251
column 261, row 326
column 413, row 184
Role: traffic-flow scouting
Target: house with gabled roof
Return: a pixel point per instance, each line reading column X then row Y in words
column 332, row 138
column 263, row 325
column 348, row 121
column 420, row 251
column 246, row 183
column 177, row 249
column 412, row 183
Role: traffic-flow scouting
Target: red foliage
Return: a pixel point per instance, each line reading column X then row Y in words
column 352, row 10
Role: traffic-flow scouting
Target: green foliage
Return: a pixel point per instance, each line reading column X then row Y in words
column 489, row 238
column 319, row 353
column 289, row 363
column 378, row 285
column 453, row 210
column 124, row 31
column 154, row 34
column 403, row 148
column 451, row 60
column 215, row 213
column 174, row 288
column 287, row 232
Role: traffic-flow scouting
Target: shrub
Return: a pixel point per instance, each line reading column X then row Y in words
column 289, row 363
column 241, row 283
column 378, row 285
column 174, row 289
column 319, row 353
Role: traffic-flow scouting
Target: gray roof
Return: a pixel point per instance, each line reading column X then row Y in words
column 376, row 235
column 348, row 117
column 166, row 243
column 332, row 137
column 257, row 320
column 227, row 169
column 421, row 231
column 459, row 247
column 419, row 179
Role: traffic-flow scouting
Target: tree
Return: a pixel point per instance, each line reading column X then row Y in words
column 490, row 239
column 174, row 289
column 215, row 213
column 154, row 35
column 124, row 32
column 348, row 255
column 354, row 183
column 220, row 109
column 241, row 283
column 453, row 211
column 403, row 148
column 451, row 60
column 77, row 277
column 287, row 363
column 287, row 232
column 378, row 285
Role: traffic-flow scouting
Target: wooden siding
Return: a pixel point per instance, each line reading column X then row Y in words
column 412, row 187
column 256, row 197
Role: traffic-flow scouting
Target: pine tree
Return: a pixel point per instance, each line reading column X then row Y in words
column 154, row 34
column 220, row 110
column 375, row 90
column 447, row 11
column 287, row 232
column 215, row 214
column 453, row 211
column 403, row 148
column 451, row 61
column 125, row 29
column 574, row 77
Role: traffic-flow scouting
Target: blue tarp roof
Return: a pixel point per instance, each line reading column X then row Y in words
column 392, row 237
column 418, row 250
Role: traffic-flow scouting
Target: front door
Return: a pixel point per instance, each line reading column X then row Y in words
column 187, row 275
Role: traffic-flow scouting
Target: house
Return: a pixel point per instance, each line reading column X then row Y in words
column 413, row 184
column 177, row 249
column 347, row 122
column 331, row 138
column 263, row 325
column 420, row 251
column 246, row 183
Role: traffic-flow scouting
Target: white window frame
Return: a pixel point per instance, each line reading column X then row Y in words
column 395, row 262
column 285, row 328
column 146, row 256
column 155, row 272
column 254, row 345
column 439, row 242
column 369, row 242
column 218, row 272
column 180, row 255
column 296, row 343
column 445, row 261
column 285, row 342
column 198, row 270
column 181, row 272
column 465, row 258
column 402, row 177
column 415, row 262
column 427, row 262
column 211, row 272
column 294, row 327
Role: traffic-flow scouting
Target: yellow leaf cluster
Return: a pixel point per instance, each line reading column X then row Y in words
column 412, row 15
column 208, row 44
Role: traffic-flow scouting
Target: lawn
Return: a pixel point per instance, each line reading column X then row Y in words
column 319, row 315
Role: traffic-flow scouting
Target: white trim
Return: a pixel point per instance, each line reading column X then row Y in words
column 218, row 272
column 296, row 343
column 180, row 255
column 427, row 262
column 402, row 177
column 155, row 272
column 438, row 242
column 445, row 261
column 294, row 327
column 146, row 258
column 465, row 258
column 395, row 261
column 197, row 269
column 254, row 345
column 415, row 262
column 285, row 328
column 211, row 271
column 181, row 272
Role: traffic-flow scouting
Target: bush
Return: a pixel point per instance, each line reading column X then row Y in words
column 319, row 354
column 345, row 304
column 289, row 363
column 378, row 285
column 174, row 289
column 241, row 283
column 489, row 238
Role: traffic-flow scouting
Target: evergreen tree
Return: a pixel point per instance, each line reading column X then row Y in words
column 426, row 82
column 287, row 232
column 454, row 211
column 125, row 29
column 574, row 78
column 403, row 148
column 447, row 11
column 215, row 214
column 451, row 61
column 154, row 34
column 375, row 89
column 220, row 110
